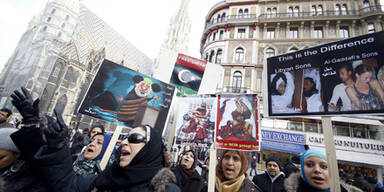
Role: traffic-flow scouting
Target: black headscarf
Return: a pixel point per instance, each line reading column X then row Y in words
column 187, row 173
column 140, row 170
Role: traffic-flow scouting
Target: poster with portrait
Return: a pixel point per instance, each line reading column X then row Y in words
column 238, row 121
column 187, row 75
column 126, row 97
column 195, row 121
column 338, row 78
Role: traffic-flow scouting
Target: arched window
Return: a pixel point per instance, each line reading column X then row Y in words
column 274, row 12
column 269, row 53
column 320, row 10
column 269, row 13
column 206, row 56
column 223, row 17
column 337, row 9
column 213, row 36
column 66, row 17
column 371, row 28
column 293, row 49
column 221, row 35
column 59, row 34
column 48, row 19
column 218, row 18
column 44, row 28
column 367, row 6
column 219, row 55
column 53, row 11
column 63, row 25
column 44, row 102
column 344, row 9
column 211, row 56
column 246, row 12
column 240, row 13
column 296, row 11
column 236, row 81
column 60, row 104
column 313, row 10
column 290, row 11
column 239, row 55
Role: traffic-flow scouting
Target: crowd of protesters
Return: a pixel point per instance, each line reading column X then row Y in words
column 42, row 155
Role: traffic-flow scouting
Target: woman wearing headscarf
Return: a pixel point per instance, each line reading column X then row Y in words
column 188, row 179
column 313, row 175
column 88, row 162
column 231, row 173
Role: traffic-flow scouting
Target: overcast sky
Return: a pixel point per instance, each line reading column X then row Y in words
column 143, row 23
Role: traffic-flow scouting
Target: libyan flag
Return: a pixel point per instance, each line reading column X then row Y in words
column 187, row 75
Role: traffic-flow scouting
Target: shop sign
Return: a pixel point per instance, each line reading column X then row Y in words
column 348, row 143
column 282, row 141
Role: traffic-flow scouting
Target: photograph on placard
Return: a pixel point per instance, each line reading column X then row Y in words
column 126, row 97
column 196, row 120
column 237, row 122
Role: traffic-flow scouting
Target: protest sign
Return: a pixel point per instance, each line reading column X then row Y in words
column 195, row 120
column 237, row 124
column 338, row 78
column 126, row 97
column 187, row 75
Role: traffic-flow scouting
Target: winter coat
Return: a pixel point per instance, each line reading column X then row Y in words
column 24, row 179
column 164, row 180
column 194, row 184
column 289, row 169
column 248, row 186
column 294, row 183
column 265, row 183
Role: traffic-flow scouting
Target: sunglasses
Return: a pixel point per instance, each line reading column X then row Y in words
column 135, row 138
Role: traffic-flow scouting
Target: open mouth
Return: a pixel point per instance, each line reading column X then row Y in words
column 318, row 180
column 125, row 153
column 229, row 171
column 90, row 150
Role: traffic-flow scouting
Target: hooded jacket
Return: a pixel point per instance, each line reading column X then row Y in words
column 294, row 183
column 163, row 181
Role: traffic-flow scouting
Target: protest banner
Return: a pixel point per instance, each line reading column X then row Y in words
column 195, row 119
column 126, row 97
column 238, row 121
column 187, row 75
column 338, row 78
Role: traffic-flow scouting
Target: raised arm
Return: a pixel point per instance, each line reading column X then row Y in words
column 353, row 97
column 376, row 86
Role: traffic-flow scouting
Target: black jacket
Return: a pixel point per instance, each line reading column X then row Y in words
column 23, row 180
column 194, row 184
column 264, row 182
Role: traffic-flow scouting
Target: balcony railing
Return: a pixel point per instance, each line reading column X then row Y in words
column 232, row 89
column 333, row 13
column 232, row 18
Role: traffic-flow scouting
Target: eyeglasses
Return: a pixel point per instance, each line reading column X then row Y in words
column 135, row 138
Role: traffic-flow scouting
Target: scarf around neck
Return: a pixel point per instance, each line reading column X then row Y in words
column 233, row 185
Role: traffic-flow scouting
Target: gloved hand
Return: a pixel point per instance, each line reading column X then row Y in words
column 56, row 132
column 28, row 108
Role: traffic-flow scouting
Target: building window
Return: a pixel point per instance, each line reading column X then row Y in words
column 269, row 53
column 367, row 6
column 218, row 18
column 246, row 12
column 44, row 28
column 206, row 56
column 53, row 11
column 313, row 10
column 274, row 12
column 320, row 10
column 296, row 12
column 344, row 32
column 213, row 36
column 269, row 13
column 371, row 28
column 293, row 50
column 48, row 19
column 241, row 33
column 66, row 17
column 239, row 55
column 219, row 55
column 337, row 9
column 56, row 71
column 61, row 103
column 290, row 12
column 59, row 34
column 223, row 17
column 63, row 25
column 344, row 10
column 211, row 56
column 240, row 13
column 236, row 82
column 318, row 32
column 221, row 35
column 293, row 32
column 270, row 33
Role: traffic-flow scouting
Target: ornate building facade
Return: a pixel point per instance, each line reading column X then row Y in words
column 241, row 34
column 58, row 55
